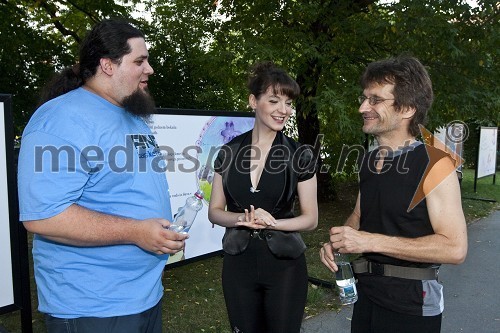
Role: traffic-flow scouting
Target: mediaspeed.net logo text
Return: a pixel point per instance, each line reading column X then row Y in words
column 141, row 149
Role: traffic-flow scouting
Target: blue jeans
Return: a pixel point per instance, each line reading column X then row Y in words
column 149, row 321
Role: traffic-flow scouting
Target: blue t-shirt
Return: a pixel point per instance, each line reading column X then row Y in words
column 81, row 149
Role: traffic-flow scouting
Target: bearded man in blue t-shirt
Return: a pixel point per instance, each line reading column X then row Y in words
column 92, row 189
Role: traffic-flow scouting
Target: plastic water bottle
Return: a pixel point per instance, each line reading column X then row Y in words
column 186, row 214
column 345, row 280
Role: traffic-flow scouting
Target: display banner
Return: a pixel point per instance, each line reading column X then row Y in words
column 6, row 278
column 451, row 139
column 189, row 141
column 14, row 263
column 487, row 151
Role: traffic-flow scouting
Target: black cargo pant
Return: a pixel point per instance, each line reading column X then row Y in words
column 368, row 317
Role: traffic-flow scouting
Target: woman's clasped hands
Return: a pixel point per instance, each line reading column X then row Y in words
column 256, row 219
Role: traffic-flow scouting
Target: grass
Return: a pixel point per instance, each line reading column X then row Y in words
column 193, row 299
column 473, row 203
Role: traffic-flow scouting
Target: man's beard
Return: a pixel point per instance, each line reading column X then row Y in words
column 139, row 103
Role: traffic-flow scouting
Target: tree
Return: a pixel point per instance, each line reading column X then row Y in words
column 327, row 44
column 300, row 36
column 40, row 37
column 185, row 76
column 456, row 43
column 201, row 51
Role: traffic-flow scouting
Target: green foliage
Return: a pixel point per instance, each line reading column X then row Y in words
column 456, row 42
column 201, row 50
column 38, row 38
column 482, row 202
column 23, row 71
column 185, row 77
column 326, row 45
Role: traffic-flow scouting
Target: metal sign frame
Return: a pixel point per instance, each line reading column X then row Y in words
column 19, row 258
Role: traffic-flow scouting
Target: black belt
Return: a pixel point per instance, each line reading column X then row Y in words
column 413, row 273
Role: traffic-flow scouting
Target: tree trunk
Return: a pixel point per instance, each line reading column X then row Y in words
column 308, row 127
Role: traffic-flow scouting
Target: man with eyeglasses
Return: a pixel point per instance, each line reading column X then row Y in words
column 408, row 217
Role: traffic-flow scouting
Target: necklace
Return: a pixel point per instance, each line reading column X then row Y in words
column 253, row 189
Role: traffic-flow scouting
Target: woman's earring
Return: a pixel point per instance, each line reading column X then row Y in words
column 253, row 110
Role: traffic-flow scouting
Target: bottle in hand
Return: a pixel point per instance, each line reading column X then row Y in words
column 345, row 280
column 185, row 216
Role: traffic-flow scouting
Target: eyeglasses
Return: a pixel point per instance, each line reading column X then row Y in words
column 373, row 100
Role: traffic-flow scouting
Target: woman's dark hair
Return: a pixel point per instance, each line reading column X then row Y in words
column 266, row 74
column 412, row 86
column 107, row 39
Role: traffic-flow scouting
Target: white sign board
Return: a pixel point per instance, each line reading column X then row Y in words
column 6, row 283
column 487, row 153
column 190, row 140
column 451, row 139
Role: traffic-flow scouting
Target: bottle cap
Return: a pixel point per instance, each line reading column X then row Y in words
column 199, row 194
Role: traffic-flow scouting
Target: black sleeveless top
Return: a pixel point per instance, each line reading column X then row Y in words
column 287, row 163
column 271, row 185
column 393, row 204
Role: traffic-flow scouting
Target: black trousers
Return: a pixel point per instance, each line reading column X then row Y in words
column 264, row 294
column 368, row 317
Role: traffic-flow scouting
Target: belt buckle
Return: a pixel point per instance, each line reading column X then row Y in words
column 257, row 234
column 376, row 269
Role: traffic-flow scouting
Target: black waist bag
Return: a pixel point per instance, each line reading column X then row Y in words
column 283, row 244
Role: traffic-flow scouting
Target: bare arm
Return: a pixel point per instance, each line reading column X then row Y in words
column 261, row 219
column 79, row 226
column 448, row 244
column 353, row 219
column 326, row 252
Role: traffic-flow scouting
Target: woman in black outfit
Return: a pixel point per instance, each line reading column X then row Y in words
column 258, row 177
